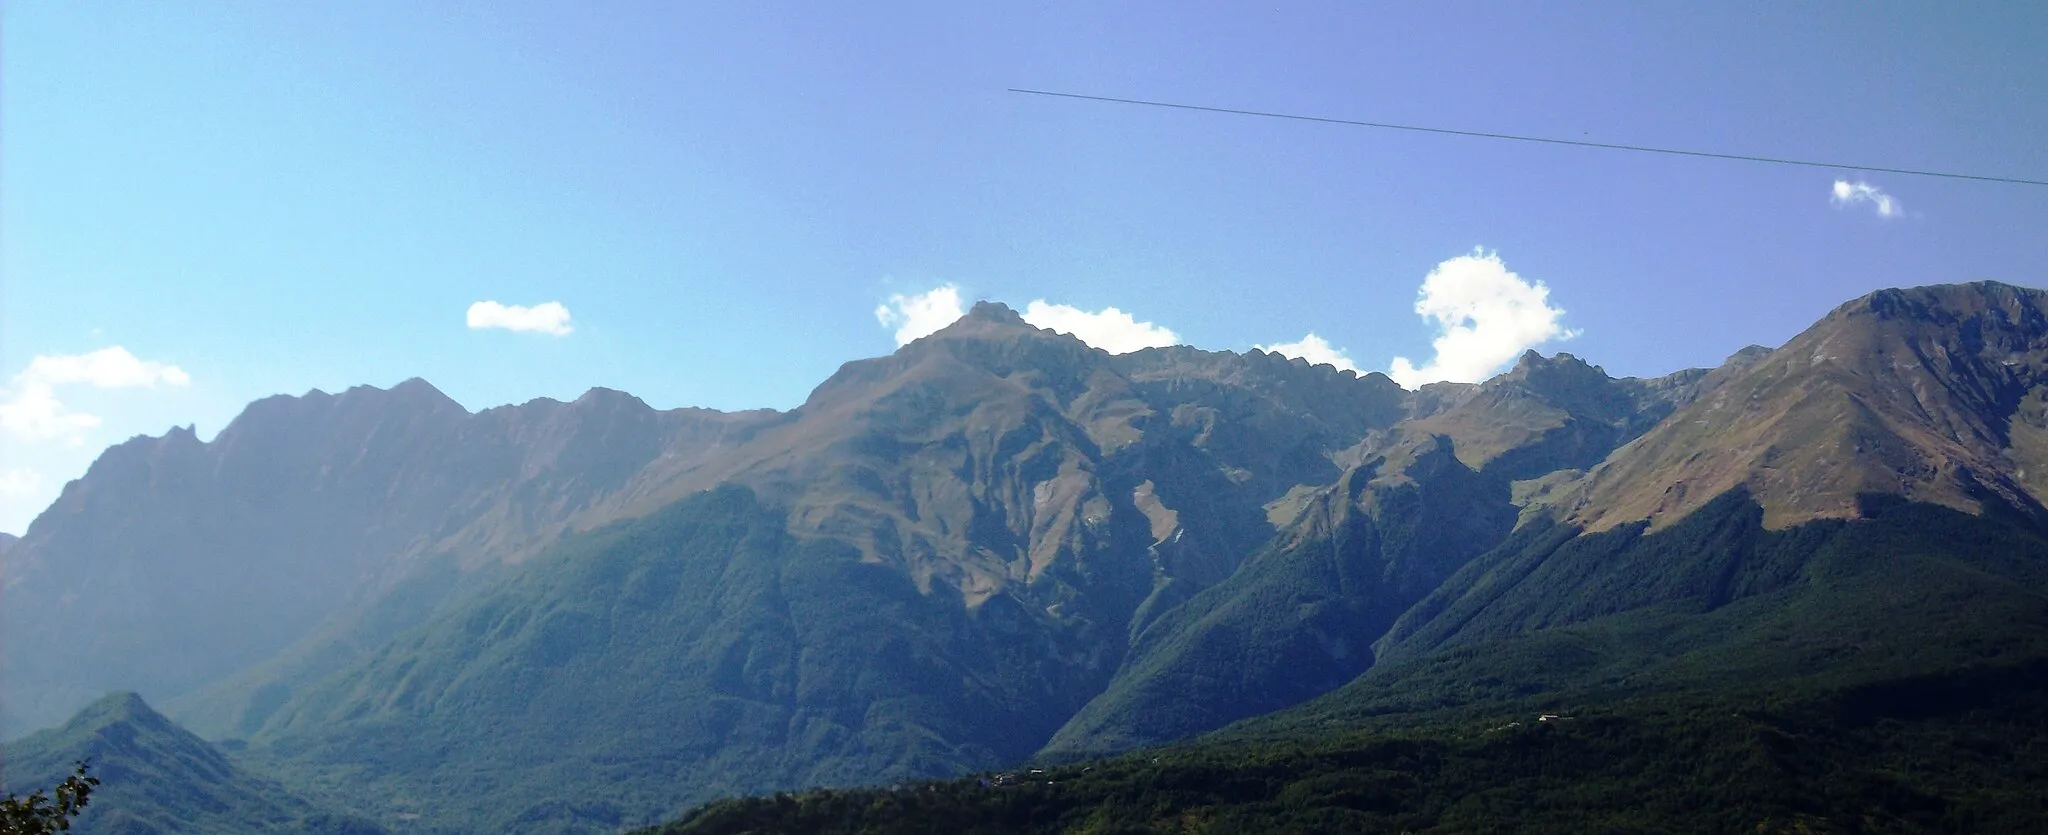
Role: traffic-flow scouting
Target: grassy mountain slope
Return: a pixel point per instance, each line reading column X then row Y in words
column 158, row 778
column 1933, row 393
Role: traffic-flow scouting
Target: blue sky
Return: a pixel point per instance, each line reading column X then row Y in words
column 203, row 204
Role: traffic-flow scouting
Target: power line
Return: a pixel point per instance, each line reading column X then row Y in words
column 1542, row 139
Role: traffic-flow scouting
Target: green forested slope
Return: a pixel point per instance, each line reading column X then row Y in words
column 698, row 652
column 1958, row 752
column 158, row 778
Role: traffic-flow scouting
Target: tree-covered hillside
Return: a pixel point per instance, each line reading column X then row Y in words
column 1958, row 752
column 156, row 777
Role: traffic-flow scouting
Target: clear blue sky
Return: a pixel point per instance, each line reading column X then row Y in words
column 277, row 197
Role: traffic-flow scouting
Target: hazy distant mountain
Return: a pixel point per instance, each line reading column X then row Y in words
column 173, row 563
column 998, row 541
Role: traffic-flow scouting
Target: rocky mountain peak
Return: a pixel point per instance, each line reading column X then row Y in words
column 994, row 312
column 599, row 397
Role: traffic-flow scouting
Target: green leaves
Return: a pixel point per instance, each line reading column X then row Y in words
column 37, row 814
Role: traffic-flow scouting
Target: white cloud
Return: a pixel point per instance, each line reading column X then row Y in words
column 1485, row 317
column 921, row 314
column 20, row 482
column 1315, row 349
column 32, row 411
column 1110, row 329
column 547, row 317
column 108, row 368
column 1847, row 193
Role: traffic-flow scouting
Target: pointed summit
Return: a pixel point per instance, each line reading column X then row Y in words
column 118, row 708
column 988, row 320
column 994, row 312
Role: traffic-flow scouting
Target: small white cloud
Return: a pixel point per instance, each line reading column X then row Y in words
column 547, row 317
column 108, row 368
column 30, row 408
column 1316, row 350
column 1110, row 329
column 1846, row 193
column 20, row 482
column 922, row 314
column 1485, row 317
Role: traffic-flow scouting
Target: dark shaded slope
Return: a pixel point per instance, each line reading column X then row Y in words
column 699, row 651
column 1926, row 754
column 1877, row 675
column 158, row 778
column 1715, row 600
column 1299, row 619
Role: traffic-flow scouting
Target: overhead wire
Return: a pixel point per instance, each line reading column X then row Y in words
column 1881, row 169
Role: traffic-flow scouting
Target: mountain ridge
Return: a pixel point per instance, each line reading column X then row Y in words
column 998, row 542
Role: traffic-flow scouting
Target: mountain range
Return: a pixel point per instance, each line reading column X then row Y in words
column 999, row 545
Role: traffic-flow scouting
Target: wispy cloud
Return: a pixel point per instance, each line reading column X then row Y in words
column 30, row 408
column 20, row 482
column 547, row 317
column 1110, row 329
column 1847, row 193
column 1316, row 350
column 921, row 314
column 1485, row 316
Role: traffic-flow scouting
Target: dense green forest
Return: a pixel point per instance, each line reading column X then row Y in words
column 1960, row 752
